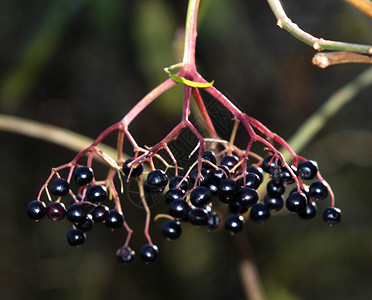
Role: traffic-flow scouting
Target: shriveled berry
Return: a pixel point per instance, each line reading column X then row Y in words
column 200, row 196
column 179, row 209
column 274, row 203
column 76, row 213
column 307, row 169
column 172, row 229
column 36, row 210
column 296, row 202
column 259, row 213
column 100, row 213
column 125, row 254
column 156, row 182
column 309, row 212
column 213, row 220
column 198, row 216
column 83, row 175
column 96, row 193
column 136, row 169
column 173, row 194
column 149, row 253
column 247, row 197
column 332, row 215
column 227, row 190
column 75, row 237
column 55, row 211
column 275, row 189
column 229, row 161
column 175, row 181
column 234, row 223
column 115, row 219
column 59, row 187
column 318, row 190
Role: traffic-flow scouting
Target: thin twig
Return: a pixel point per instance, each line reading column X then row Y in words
column 318, row 44
column 324, row 60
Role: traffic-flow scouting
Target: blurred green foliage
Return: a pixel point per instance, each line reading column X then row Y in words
column 83, row 64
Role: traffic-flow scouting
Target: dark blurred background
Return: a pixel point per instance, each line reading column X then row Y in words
column 83, row 64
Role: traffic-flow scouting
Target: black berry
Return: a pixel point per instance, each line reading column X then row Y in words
column 83, row 175
column 213, row 220
column 156, row 182
column 256, row 170
column 136, row 170
column 227, row 190
column 252, row 180
column 309, row 212
column 75, row 237
column 307, row 169
column 125, row 254
column 55, row 211
column 76, row 213
column 149, row 253
column 296, row 202
column 229, row 161
column 173, row 194
column 100, row 213
column 171, row 229
column 175, row 181
column 275, row 189
column 179, row 209
column 332, row 215
column 59, row 187
column 85, row 225
column 216, row 175
column 36, row 210
column 96, row 193
column 259, row 213
column 202, row 180
column 234, row 223
column 274, row 203
column 209, row 156
column 247, row 197
column 318, row 190
column 200, row 196
column 115, row 219
column 236, row 208
column 198, row 216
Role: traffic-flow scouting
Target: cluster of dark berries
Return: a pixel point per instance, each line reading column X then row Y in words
column 82, row 213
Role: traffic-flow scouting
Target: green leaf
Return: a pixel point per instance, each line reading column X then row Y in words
column 183, row 80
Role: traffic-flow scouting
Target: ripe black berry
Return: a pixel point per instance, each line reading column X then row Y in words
column 332, row 215
column 227, row 190
column 173, row 194
column 236, row 208
column 213, row 220
column 247, row 197
column 252, row 180
column 286, row 176
column 259, row 213
column 274, row 203
column 83, row 175
column 198, row 216
column 296, row 202
column 209, row 156
column 203, row 179
column 100, row 213
column 229, row 161
column 136, row 170
column 85, row 225
column 269, row 163
column 36, row 210
column 149, row 253
column 307, row 169
column 200, row 196
column 55, row 211
column 258, row 171
column 156, row 182
column 234, row 223
column 304, row 189
column 96, row 193
column 125, row 254
column 75, row 237
column 216, row 175
column 318, row 190
column 275, row 189
column 115, row 219
column 309, row 212
column 179, row 209
column 76, row 213
column 175, row 181
column 171, row 229
column 59, row 187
